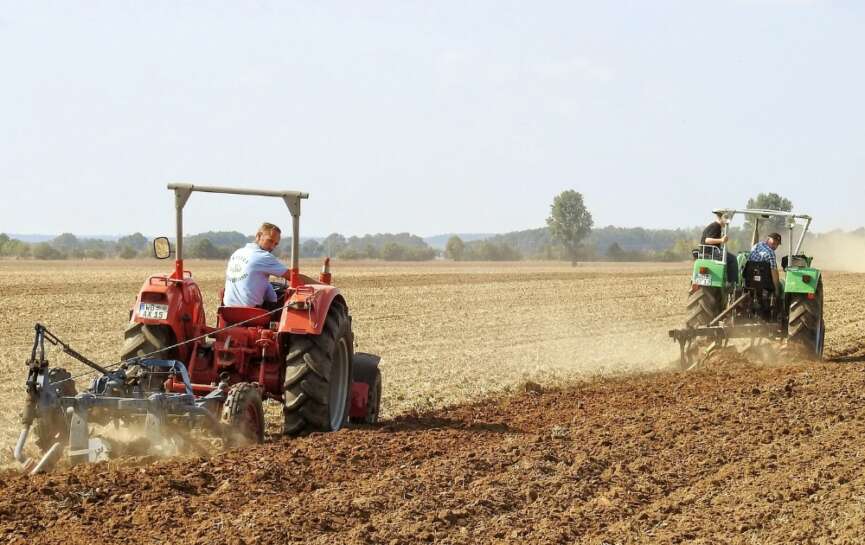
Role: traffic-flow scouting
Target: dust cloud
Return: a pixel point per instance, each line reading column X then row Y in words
column 838, row 252
column 134, row 439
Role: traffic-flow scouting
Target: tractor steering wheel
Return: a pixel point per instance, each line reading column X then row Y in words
column 279, row 287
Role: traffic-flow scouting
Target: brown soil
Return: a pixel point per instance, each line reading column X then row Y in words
column 731, row 454
column 751, row 449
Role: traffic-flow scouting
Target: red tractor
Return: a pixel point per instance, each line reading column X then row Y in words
column 300, row 354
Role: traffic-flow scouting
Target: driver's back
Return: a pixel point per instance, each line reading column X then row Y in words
column 247, row 277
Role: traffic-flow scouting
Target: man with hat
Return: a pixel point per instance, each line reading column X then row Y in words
column 765, row 251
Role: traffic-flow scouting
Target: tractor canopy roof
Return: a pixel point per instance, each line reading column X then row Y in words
column 761, row 213
column 758, row 215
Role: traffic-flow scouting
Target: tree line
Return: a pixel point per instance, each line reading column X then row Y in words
column 220, row 245
column 569, row 235
column 68, row 246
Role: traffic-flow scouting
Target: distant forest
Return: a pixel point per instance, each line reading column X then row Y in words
column 220, row 245
column 603, row 244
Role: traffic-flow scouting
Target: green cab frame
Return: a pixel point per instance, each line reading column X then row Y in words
column 710, row 262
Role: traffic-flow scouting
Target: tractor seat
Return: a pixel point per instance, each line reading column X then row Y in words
column 758, row 275
column 226, row 316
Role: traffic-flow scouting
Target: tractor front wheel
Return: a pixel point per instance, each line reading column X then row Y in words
column 318, row 376
column 805, row 325
column 243, row 414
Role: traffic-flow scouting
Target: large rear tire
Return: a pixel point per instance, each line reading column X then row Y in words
column 805, row 326
column 318, row 376
column 145, row 339
column 51, row 427
column 243, row 415
column 703, row 305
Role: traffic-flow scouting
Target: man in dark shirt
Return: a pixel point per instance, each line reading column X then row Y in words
column 713, row 236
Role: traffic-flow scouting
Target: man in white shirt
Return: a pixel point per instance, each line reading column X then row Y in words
column 247, row 277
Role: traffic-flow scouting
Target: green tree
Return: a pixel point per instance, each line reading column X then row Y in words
column 549, row 252
column 310, row 248
column 371, row 251
column 569, row 222
column 333, row 244
column 771, row 201
column 126, row 252
column 682, row 248
column 15, row 248
column 350, row 254
column 487, row 250
column 767, row 201
column 392, row 251
column 415, row 253
column 66, row 242
column 43, row 250
column 615, row 252
column 204, row 249
column 4, row 244
column 136, row 241
column 455, row 248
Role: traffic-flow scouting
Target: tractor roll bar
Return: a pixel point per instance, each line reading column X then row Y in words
column 762, row 213
column 292, row 201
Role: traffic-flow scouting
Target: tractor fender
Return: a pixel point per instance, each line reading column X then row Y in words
column 801, row 280
column 308, row 318
column 709, row 273
column 185, row 306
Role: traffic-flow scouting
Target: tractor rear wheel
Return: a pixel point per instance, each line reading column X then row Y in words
column 365, row 370
column 145, row 339
column 243, row 414
column 805, row 325
column 51, row 427
column 318, row 376
column 703, row 305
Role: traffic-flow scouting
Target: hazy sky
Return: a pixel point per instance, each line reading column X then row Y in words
column 427, row 117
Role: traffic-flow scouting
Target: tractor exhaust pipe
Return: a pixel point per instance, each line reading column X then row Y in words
column 324, row 277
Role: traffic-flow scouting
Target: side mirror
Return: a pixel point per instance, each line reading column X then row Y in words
column 161, row 248
column 785, row 261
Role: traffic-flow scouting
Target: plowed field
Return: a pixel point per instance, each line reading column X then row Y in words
column 470, row 452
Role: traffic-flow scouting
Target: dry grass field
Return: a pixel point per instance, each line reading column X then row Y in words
column 739, row 452
column 447, row 332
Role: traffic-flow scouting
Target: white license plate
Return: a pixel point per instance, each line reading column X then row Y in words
column 703, row 280
column 153, row 311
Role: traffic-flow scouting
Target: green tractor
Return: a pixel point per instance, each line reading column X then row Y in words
column 752, row 307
